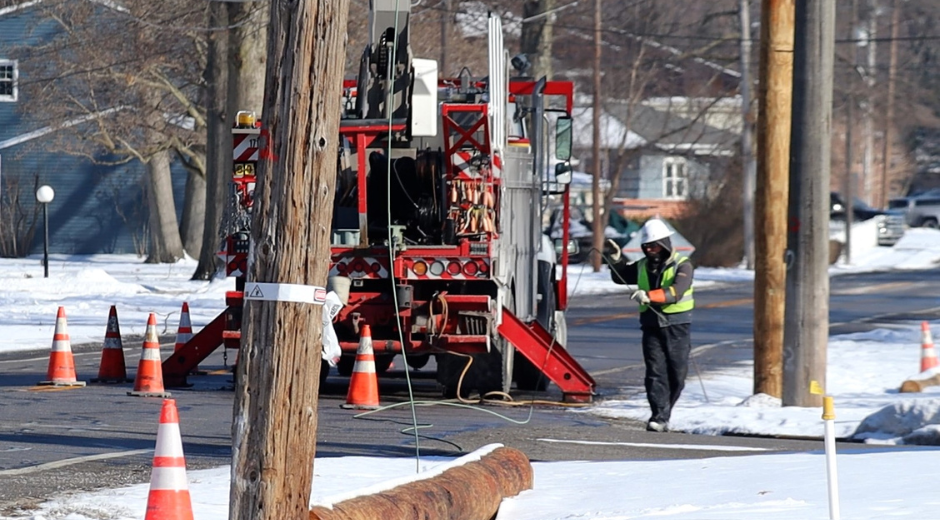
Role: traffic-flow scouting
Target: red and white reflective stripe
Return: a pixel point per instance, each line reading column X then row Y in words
column 150, row 354
column 168, row 479
column 462, row 165
column 242, row 149
column 365, row 364
column 365, row 358
column 60, row 339
column 169, row 443
column 185, row 332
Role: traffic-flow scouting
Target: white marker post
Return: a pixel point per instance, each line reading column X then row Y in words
column 832, row 474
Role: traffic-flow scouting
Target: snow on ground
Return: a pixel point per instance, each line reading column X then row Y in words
column 864, row 372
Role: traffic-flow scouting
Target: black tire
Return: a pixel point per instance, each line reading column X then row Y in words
column 383, row 363
column 418, row 362
column 324, row 371
column 483, row 376
column 345, row 365
column 529, row 377
column 931, row 223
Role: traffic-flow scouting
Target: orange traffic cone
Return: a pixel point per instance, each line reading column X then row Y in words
column 364, row 384
column 61, row 370
column 149, row 380
column 928, row 355
column 169, row 491
column 112, row 368
column 185, row 333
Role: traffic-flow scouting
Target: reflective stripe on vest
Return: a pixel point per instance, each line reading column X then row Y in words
column 685, row 303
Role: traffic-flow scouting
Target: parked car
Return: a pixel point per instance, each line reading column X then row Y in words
column 891, row 222
column 920, row 210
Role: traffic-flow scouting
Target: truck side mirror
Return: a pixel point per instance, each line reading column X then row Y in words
column 563, row 173
column 563, row 137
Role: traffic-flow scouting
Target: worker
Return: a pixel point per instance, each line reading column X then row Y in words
column 663, row 278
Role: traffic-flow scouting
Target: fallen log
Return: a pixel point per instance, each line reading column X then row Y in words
column 471, row 491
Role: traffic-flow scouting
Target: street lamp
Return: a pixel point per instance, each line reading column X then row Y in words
column 44, row 195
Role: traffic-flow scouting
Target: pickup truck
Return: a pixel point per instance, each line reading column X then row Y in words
column 920, row 210
column 891, row 222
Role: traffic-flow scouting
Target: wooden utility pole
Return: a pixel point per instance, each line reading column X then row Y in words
column 806, row 322
column 598, row 225
column 275, row 424
column 770, row 210
column 747, row 152
column 889, row 114
column 446, row 17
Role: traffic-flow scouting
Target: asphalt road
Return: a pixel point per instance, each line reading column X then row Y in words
column 58, row 440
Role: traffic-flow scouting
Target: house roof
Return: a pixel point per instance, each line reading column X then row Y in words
column 671, row 129
column 612, row 131
column 18, row 6
column 676, row 127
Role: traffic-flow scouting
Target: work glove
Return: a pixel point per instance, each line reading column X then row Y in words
column 612, row 251
column 640, row 297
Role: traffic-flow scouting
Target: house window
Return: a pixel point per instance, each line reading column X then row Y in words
column 675, row 178
column 7, row 80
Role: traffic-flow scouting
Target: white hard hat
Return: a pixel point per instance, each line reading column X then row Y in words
column 653, row 230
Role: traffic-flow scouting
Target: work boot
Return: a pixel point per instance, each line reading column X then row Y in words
column 657, row 426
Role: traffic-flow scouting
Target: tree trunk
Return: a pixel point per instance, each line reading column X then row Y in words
column 165, row 244
column 537, row 37
column 194, row 214
column 218, row 143
column 247, row 56
column 275, row 413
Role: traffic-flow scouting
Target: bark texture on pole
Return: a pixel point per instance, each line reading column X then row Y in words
column 773, row 173
column 274, row 428
column 469, row 492
column 806, row 322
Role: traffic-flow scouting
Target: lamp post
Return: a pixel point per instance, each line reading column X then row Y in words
column 44, row 195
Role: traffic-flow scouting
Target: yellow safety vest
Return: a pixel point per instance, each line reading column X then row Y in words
column 685, row 303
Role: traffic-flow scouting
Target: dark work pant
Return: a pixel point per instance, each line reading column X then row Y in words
column 666, row 354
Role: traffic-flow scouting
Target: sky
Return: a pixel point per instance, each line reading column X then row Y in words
column 864, row 371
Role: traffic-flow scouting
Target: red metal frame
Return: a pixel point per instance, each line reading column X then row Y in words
column 539, row 347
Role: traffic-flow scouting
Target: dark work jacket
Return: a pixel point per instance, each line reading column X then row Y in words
column 624, row 273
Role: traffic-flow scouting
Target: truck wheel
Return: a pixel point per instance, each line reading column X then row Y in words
column 345, row 365
column 418, row 362
column 931, row 223
column 383, row 363
column 529, row 377
column 483, row 376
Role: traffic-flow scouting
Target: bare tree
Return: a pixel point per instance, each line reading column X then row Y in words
column 132, row 75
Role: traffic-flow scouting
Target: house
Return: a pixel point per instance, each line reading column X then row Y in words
column 664, row 150
column 98, row 208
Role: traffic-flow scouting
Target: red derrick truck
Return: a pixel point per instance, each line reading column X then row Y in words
column 437, row 230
